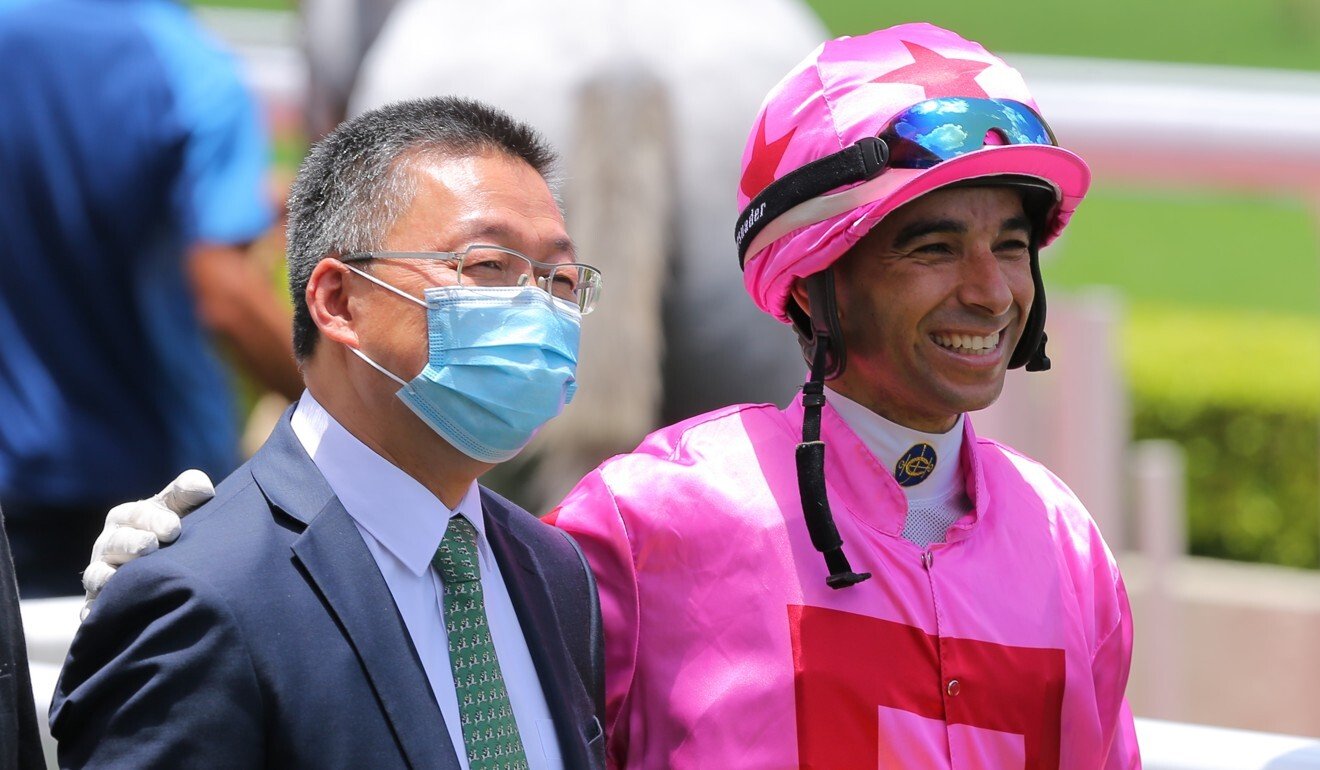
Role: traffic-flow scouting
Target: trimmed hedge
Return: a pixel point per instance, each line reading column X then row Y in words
column 1241, row 393
column 1253, row 486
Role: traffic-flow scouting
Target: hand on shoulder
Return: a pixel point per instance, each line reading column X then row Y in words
column 137, row 528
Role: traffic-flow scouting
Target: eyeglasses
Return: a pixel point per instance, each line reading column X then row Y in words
column 486, row 265
column 941, row 129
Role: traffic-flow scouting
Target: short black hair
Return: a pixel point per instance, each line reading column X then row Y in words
column 354, row 182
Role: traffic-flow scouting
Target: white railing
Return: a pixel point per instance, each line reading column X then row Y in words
column 1177, row 124
column 49, row 625
column 1175, row 746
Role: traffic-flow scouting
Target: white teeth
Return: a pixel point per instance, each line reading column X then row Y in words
column 965, row 343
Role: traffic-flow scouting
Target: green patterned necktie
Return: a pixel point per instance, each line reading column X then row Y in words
column 489, row 731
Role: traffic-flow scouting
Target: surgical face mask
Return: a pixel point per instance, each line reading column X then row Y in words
column 501, row 361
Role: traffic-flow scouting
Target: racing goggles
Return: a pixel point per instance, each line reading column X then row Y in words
column 941, row 129
column 920, row 137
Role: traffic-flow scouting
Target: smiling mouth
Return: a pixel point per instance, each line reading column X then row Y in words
column 967, row 344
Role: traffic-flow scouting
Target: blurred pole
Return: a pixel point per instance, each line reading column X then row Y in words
column 1092, row 424
column 620, row 197
column 1158, row 472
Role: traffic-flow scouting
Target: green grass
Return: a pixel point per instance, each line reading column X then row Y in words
column 1257, row 33
column 1254, row 33
column 1223, row 291
column 1192, row 248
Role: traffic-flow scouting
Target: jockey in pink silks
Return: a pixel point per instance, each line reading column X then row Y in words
column 858, row 580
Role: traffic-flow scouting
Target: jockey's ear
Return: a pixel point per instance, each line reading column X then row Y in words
column 819, row 330
column 798, row 293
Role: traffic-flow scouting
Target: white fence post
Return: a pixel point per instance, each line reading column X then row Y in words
column 1158, row 473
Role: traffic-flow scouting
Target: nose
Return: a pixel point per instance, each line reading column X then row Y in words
column 986, row 282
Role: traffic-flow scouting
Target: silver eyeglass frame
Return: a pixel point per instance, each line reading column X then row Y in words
column 540, row 271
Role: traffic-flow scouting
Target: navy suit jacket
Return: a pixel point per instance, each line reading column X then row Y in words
column 20, row 743
column 267, row 637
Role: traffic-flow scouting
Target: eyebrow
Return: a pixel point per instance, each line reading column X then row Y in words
column 926, row 227
column 1016, row 223
column 500, row 233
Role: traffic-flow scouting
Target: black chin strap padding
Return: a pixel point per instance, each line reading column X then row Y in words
column 1030, row 350
column 811, row 485
column 858, row 162
column 825, row 324
column 819, row 332
column 1040, row 204
column 1039, row 361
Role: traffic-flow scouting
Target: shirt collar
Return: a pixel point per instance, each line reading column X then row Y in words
column 392, row 506
column 891, row 442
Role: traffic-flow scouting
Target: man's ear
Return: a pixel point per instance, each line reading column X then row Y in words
column 327, row 300
column 797, row 292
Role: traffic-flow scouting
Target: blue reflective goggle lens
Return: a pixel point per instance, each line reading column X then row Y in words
column 940, row 129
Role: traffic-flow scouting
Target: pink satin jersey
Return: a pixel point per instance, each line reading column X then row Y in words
column 1007, row 646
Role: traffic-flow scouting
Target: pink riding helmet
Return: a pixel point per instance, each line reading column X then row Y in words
column 852, row 88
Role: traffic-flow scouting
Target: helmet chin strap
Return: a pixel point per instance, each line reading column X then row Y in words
column 826, row 362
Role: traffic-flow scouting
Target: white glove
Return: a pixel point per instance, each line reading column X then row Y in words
column 138, row 528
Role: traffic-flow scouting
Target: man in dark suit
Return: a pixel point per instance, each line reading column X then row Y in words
column 20, row 744
column 351, row 597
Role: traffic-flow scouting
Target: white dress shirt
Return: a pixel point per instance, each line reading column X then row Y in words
column 403, row 524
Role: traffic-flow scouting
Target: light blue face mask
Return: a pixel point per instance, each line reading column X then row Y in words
column 501, row 362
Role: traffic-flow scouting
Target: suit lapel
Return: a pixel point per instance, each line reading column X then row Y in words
column 343, row 572
column 564, row 692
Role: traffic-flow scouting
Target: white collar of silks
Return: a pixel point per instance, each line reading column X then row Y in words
column 925, row 465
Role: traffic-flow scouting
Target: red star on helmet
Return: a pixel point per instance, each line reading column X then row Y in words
column 938, row 76
column 761, row 167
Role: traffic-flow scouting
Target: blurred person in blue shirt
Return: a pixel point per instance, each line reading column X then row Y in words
column 133, row 168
